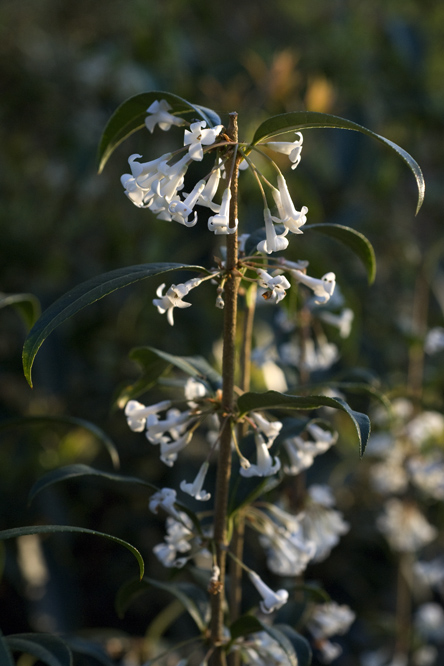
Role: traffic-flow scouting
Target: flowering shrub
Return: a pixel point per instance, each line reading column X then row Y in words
column 253, row 440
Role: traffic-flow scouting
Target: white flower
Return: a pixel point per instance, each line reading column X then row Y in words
column 330, row 619
column 342, row 321
column 197, row 137
column 321, row 524
column 273, row 242
column 431, row 573
column 404, row 526
column 300, row 455
column 323, row 288
column 271, row 600
column 429, row 621
column 275, row 286
column 208, row 193
column 195, row 489
column 165, row 499
column 136, row 413
column 193, row 390
column 173, row 297
column 220, row 223
column 319, row 356
column 181, row 210
column 271, row 429
column 428, row 475
column 170, row 449
column 292, row 149
column 159, row 116
column 389, row 477
column 288, row 214
column 434, row 341
column 179, row 533
column 427, row 426
column 265, row 465
column 288, row 552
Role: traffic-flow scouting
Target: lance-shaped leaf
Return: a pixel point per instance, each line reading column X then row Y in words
column 77, row 470
column 274, row 400
column 27, row 305
column 196, row 366
column 84, row 294
column 50, row 649
column 93, row 651
column 192, row 597
column 130, row 117
column 57, row 529
column 152, row 368
column 300, row 120
column 70, row 421
column 356, row 241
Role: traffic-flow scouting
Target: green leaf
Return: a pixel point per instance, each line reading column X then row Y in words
column 74, row 471
column 92, row 650
column 279, row 636
column 356, row 241
column 45, row 647
column 27, row 305
column 152, row 368
column 299, row 120
column 192, row 597
column 244, row 626
column 274, row 400
column 5, row 653
column 130, row 117
column 196, row 366
column 70, row 421
column 84, row 294
column 53, row 529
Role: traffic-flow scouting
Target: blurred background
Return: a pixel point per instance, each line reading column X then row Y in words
column 64, row 68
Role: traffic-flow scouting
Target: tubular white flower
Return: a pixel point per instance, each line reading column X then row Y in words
column 220, row 223
column 299, row 457
column 195, row 489
column 289, row 216
column 175, row 423
column 330, row 619
column 136, row 413
column 271, row 601
column 170, row 449
column 271, row 429
column 265, row 465
column 273, row 242
column 275, row 286
column 197, row 137
column 343, row 321
column 405, row 527
column 209, row 192
column 165, row 499
column 292, row 149
column 320, row 523
column 139, row 197
column 159, row 115
column 173, row 297
column 181, row 210
column 323, row 288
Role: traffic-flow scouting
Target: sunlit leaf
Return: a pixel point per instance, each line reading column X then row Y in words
column 56, row 529
column 48, row 648
column 130, row 117
column 192, row 597
column 84, row 294
column 27, row 305
column 274, row 400
column 356, row 241
column 300, row 120
column 70, row 421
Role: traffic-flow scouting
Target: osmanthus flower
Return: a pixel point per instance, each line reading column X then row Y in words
column 136, row 413
column 292, row 149
column 323, row 288
column 427, row 427
column 270, row 429
column 281, row 535
column 179, row 535
column 328, row 620
column 173, row 298
column 322, row 524
column 260, row 649
column 275, row 285
column 431, row 573
column 315, row 355
column 301, row 452
column 181, row 210
column 193, row 390
column 434, row 340
column 405, row 527
column 271, row 601
column 343, row 321
column 195, row 489
column 265, row 465
column 165, row 499
column 170, row 449
column 197, row 136
column 288, row 215
column 159, row 115
column 209, row 192
column 427, row 474
column 172, row 427
column 429, row 622
column 273, row 242
column 220, row 223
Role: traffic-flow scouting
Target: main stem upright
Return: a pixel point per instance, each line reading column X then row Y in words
column 228, row 369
